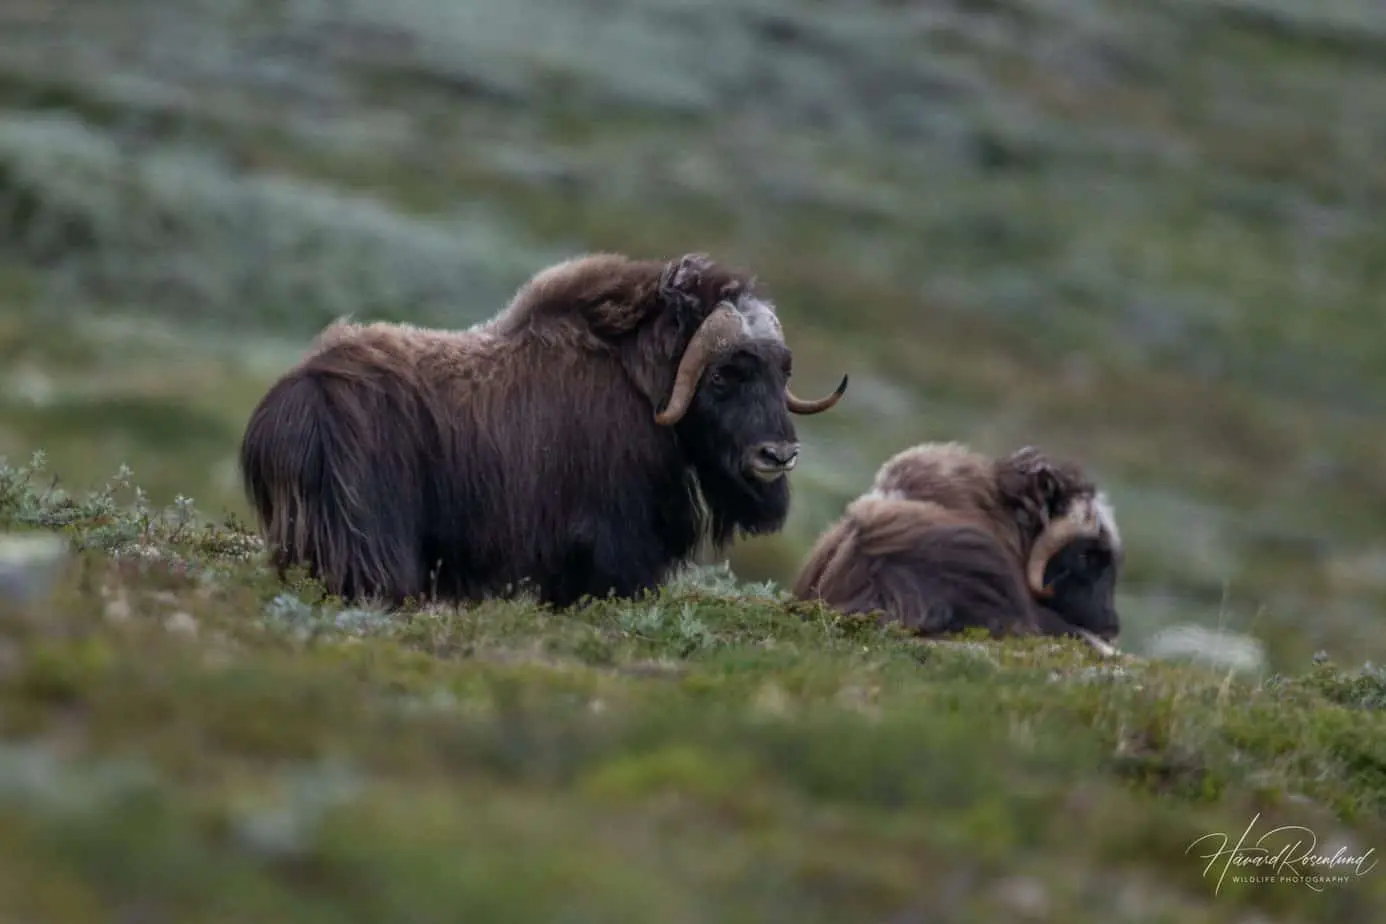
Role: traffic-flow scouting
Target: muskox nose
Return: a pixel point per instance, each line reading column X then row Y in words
column 770, row 460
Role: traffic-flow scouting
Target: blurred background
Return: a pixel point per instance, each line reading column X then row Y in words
column 1147, row 234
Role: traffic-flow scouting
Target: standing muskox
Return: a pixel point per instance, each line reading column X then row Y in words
column 583, row 441
column 948, row 539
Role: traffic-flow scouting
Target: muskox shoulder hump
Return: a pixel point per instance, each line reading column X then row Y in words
column 348, row 330
column 922, row 470
column 570, row 289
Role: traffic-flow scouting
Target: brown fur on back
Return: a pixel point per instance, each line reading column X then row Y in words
column 938, row 542
column 959, row 483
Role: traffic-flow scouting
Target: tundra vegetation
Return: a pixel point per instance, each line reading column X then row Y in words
column 186, row 738
column 1142, row 235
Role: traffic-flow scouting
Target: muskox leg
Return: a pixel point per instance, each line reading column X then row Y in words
column 333, row 488
column 602, row 559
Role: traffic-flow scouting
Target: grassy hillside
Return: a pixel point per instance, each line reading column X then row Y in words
column 1144, row 233
column 183, row 739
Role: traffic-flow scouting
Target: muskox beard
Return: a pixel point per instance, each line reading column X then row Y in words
column 739, row 503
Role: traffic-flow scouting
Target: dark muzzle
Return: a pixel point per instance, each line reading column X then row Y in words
column 769, row 461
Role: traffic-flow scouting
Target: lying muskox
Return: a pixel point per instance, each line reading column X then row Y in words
column 948, row 539
column 584, row 441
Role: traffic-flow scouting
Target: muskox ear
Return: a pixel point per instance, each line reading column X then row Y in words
column 1031, row 483
column 1047, row 486
column 681, row 283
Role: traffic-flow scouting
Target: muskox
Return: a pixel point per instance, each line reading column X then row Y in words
column 616, row 415
column 949, row 539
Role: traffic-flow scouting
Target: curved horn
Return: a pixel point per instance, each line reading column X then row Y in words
column 1080, row 521
column 719, row 330
column 817, row 406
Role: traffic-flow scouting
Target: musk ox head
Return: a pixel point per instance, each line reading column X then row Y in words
column 1076, row 555
column 730, row 399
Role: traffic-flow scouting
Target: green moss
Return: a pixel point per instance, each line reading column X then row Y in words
column 61, row 673
column 690, row 772
column 288, row 756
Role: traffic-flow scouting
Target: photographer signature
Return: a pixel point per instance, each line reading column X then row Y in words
column 1290, row 856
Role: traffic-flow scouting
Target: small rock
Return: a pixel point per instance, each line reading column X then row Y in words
column 1024, row 896
column 181, row 623
column 770, row 700
column 29, row 565
column 1232, row 651
column 118, row 610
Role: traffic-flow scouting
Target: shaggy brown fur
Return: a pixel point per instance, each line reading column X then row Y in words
column 395, row 461
column 949, row 539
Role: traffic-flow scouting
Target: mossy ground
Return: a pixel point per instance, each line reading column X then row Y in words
column 183, row 737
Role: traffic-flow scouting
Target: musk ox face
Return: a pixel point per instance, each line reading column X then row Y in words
column 1075, row 563
column 731, row 403
column 1082, row 578
column 740, row 436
